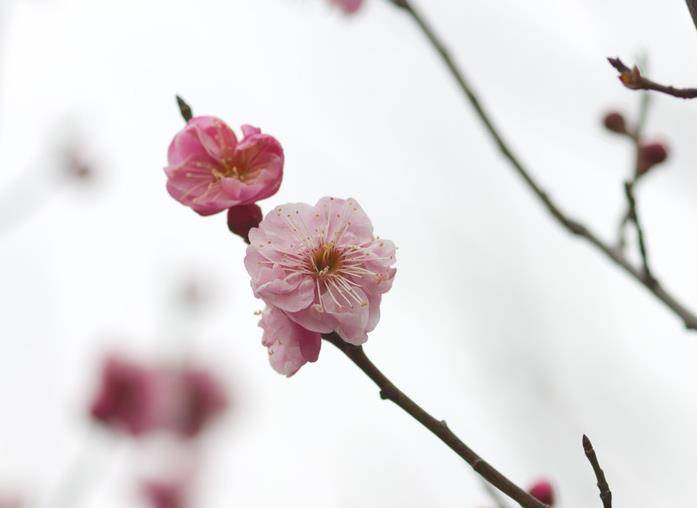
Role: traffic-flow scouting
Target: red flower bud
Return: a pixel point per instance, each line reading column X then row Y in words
column 240, row 219
column 615, row 122
column 543, row 491
column 650, row 154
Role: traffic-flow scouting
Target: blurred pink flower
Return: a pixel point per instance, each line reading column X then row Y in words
column 322, row 266
column 127, row 397
column 348, row 6
column 198, row 398
column 210, row 171
column 290, row 345
column 10, row 502
column 165, row 494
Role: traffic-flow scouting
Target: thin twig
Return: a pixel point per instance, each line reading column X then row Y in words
column 388, row 391
column 603, row 487
column 632, row 79
column 633, row 215
column 573, row 226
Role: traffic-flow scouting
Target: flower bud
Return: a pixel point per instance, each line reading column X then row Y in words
column 543, row 491
column 650, row 154
column 240, row 219
column 614, row 122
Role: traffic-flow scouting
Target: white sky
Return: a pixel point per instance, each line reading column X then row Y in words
column 521, row 337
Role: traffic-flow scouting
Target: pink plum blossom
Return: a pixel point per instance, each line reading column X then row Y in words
column 322, row 266
column 127, row 399
column 210, row 170
column 348, row 6
column 290, row 345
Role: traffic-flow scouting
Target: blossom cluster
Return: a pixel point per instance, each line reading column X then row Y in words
column 138, row 399
column 319, row 269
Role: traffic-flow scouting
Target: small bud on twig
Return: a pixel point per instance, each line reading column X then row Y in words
column 184, row 109
column 614, row 122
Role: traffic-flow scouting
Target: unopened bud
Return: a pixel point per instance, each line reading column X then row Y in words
column 543, row 491
column 649, row 155
column 240, row 219
column 614, row 122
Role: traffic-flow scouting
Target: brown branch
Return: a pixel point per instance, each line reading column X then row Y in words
column 388, row 391
column 572, row 225
column 603, row 487
column 632, row 79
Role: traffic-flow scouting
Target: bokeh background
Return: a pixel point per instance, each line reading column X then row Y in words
column 520, row 336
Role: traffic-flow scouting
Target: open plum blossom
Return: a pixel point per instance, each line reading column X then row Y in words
column 290, row 345
column 348, row 6
column 210, row 170
column 322, row 266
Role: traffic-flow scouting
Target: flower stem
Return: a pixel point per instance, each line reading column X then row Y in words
column 388, row 391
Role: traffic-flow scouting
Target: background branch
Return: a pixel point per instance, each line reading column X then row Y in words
column 388, row 391
column 688, row 318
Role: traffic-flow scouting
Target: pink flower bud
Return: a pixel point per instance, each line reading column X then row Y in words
column 615, row 122
column 649, row 155
column 210, row 170
column 240, row 219
column 543, row 491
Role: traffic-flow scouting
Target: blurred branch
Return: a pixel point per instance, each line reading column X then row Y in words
column 633, row 216
column 388, row 391
column 603, row 487
column 632, row 79
column 692, row 5
column 636, row 136
column 573, row 226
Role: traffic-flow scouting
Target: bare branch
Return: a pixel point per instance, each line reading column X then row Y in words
column 570, row 224
column 389, row 391
column 603, row 487
column 632, row 79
